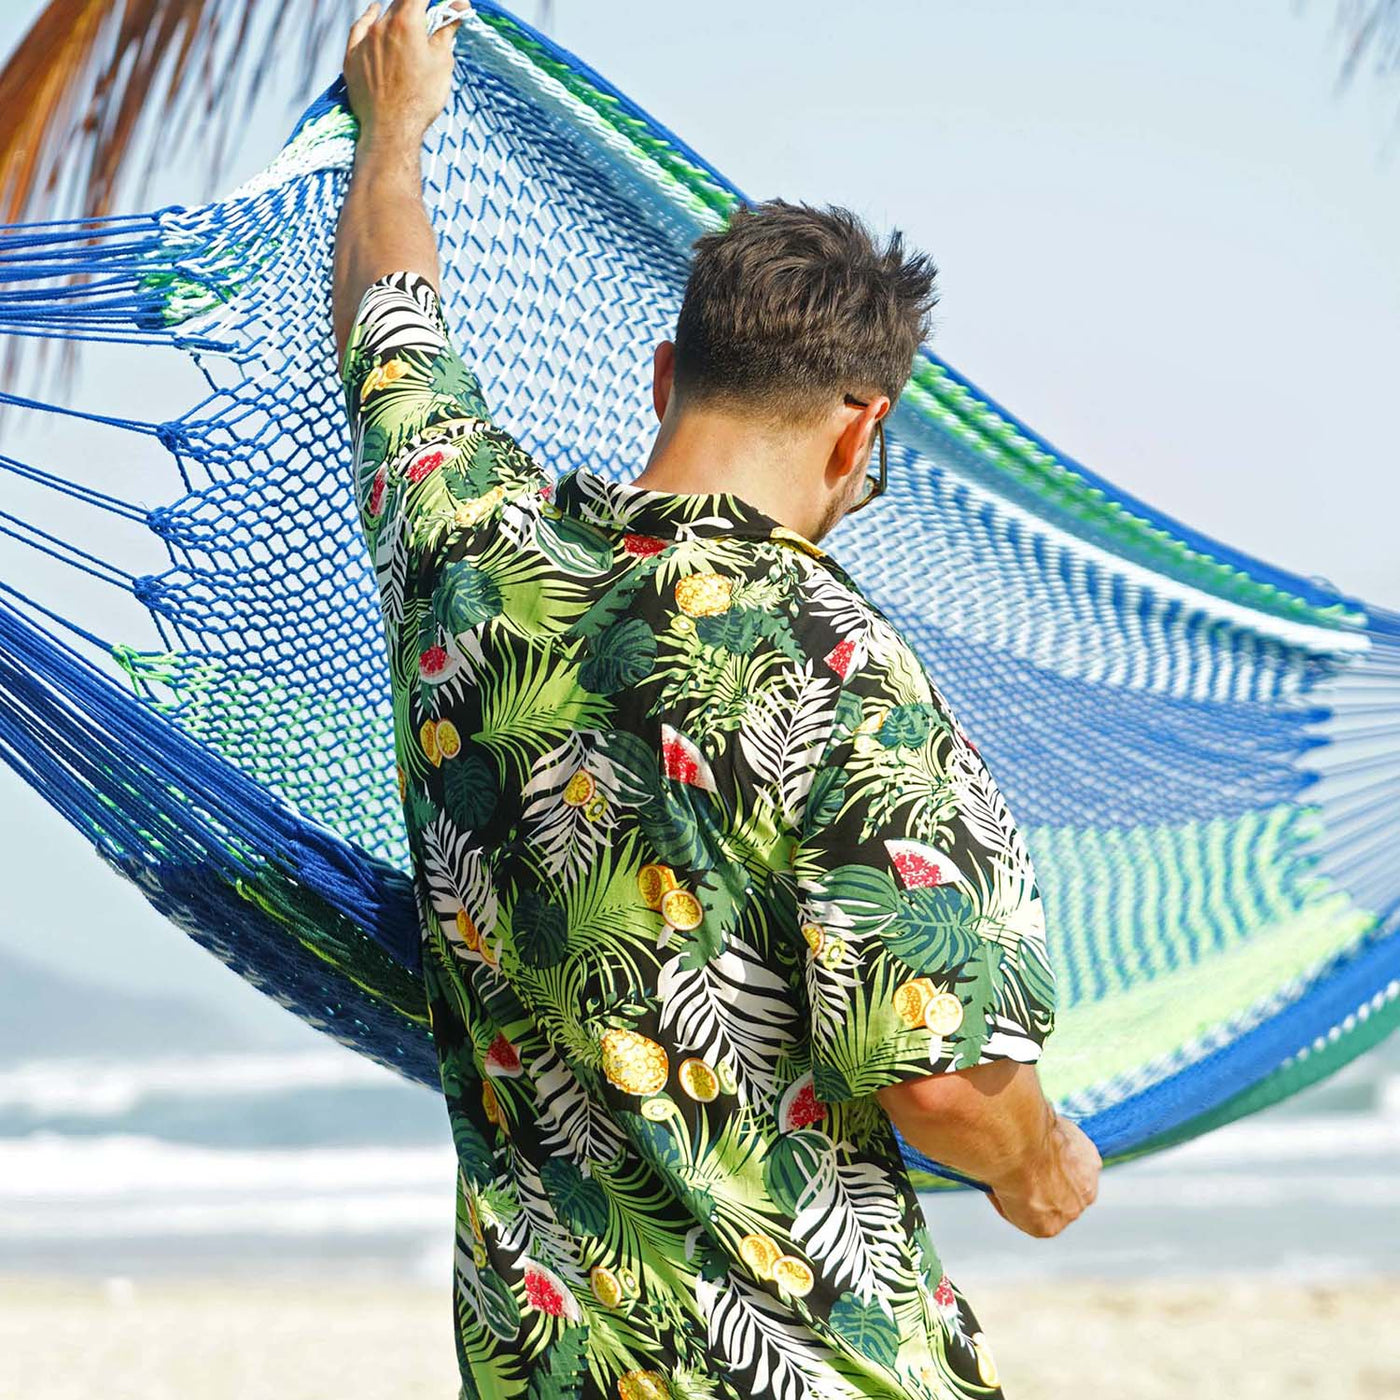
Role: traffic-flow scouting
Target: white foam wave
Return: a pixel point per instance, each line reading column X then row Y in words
column 51, row 1167
column 125, row 1186
column 356, row 1214
column 98, row 1088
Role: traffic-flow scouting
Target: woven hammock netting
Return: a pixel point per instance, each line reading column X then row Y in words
column 1202, row 750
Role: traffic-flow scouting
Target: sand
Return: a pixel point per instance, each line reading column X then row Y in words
column 197, row 1340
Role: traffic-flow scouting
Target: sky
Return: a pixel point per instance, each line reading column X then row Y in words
column 1165, row 240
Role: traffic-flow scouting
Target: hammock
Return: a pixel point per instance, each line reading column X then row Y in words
column 1200, row 748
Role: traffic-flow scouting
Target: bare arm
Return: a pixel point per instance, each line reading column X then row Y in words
column 398, row 81
column 993, row 1122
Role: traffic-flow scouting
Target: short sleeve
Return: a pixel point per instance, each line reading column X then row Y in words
column 421, row 435
column 924, row 926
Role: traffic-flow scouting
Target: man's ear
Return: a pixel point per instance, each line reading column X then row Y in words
column 663, row 368
column 855, row 444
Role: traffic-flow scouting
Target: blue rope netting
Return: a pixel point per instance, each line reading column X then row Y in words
column 1199, row 747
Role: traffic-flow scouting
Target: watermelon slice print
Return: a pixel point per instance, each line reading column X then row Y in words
column 503, row 1059
column 840, row 657
column 424, row 462
column 799, row 1106
column 681, row 760
column 921, row 867
column 545, row 1290
column 377, row 489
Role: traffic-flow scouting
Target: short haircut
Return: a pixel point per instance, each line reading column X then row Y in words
column 790, row 307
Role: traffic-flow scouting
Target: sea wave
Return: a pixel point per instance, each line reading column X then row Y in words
column 99, row 1088
column 51, row 1166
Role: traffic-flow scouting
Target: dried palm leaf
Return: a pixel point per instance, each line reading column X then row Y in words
column 92, row 78
column 93, row 81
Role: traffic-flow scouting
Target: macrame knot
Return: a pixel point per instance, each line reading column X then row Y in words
column 173, row 436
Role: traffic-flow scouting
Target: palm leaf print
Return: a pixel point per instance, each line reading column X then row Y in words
column 847, row 1218
column 731, row 1008
column 569, row 1117
column 459, row 880
column 769, row 1353
column 529, row 702
column 784, row 733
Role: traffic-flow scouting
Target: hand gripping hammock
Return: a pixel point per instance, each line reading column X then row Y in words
column 1202, row 750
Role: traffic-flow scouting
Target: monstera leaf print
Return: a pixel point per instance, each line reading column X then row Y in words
column 621, row 657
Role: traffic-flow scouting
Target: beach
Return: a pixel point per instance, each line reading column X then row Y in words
column 1242, row 1339
column 279, row 1224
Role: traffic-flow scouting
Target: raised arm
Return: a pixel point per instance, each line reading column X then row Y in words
column 398, row 79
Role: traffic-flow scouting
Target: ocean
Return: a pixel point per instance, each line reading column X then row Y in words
column 277, row 1163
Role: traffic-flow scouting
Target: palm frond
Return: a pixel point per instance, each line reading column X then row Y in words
column 1371, row 32
column 92, row 81
column 92, row 78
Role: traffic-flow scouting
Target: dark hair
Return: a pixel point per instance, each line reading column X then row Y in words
column 789, row 306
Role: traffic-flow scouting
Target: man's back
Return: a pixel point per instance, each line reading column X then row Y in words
column 702, row 862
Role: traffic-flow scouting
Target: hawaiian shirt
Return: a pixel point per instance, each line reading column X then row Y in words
column 702, row 860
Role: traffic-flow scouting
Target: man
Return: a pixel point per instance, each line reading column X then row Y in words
column 714, row 891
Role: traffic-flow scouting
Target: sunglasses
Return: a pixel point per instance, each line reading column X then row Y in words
column 874, row 485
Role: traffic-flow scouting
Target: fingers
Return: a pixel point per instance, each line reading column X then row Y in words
column 445, row 37
column 362, row 26
column 449, row 15
column 410, row 11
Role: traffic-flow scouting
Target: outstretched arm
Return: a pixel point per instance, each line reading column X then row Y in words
column 398, row 81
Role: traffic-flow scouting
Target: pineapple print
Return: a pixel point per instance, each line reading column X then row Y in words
column 704, row 595
column 632, row 1062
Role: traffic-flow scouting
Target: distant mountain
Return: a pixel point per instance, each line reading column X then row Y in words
column 44, row 1013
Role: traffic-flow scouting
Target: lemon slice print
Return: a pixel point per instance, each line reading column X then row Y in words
column 449, row 741
column 580, row 788
column 654, row 882
column 427, row 736
column 606, row 1289
column 681, row 909
column 760, row 1253
column 793, row 1274
column 943, row 1013
column 467, row 930
column 698, row 1079
column 911, row 997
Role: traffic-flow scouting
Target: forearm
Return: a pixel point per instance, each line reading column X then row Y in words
column 991, row 1122
column 383, row 225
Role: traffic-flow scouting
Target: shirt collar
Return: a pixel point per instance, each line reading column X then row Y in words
column 668, row 515
column 638, row 510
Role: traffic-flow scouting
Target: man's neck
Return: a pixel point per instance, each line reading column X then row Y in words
column 703, row 452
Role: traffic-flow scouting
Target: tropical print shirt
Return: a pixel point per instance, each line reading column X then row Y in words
column 702, row 861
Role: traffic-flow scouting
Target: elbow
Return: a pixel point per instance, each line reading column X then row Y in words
column 935, row 1098
column 950, row 1100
